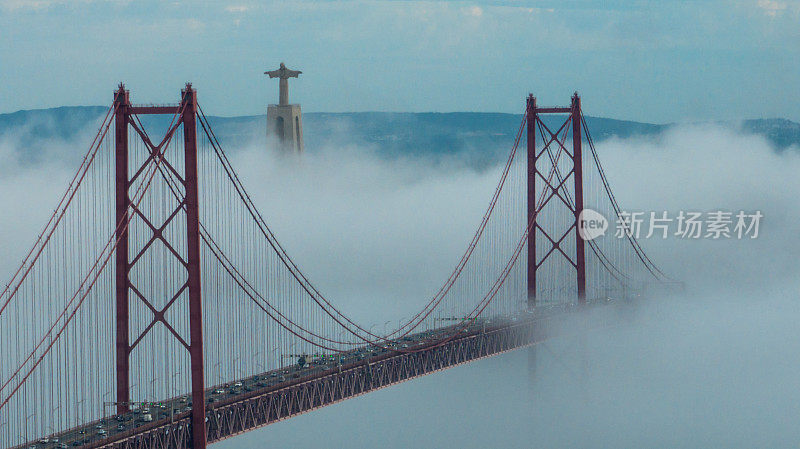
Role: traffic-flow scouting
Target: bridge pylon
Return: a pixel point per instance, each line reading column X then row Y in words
column 542, row 174
column 185, row 250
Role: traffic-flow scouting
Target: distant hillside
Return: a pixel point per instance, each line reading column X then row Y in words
column 476, row 137
column 781, row 132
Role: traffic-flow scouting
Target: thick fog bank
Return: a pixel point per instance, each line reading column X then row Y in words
column 714, row 367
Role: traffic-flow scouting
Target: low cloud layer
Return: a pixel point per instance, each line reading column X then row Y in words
column 390, row 230
column 706, row 168
column 710, row 368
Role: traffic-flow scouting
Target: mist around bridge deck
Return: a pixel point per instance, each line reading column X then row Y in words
column 713, row 367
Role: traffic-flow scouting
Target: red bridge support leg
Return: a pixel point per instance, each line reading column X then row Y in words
column 121, row 110
column 193, row 256
column 577, row 160
column 531, row 140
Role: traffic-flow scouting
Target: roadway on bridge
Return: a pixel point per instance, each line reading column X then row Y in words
column 173, row 409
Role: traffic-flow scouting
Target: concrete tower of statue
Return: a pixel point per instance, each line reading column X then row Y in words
column 283, row 119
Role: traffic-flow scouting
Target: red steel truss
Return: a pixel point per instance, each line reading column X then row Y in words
column 248, row 411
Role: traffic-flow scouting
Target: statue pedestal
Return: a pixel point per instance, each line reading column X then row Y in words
column 286, row 123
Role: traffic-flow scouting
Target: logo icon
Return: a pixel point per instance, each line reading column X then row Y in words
column 591, row 224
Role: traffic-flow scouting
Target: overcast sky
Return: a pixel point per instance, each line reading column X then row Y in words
column 657, row 61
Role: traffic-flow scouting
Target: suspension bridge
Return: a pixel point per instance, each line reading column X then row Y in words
column 157, row 309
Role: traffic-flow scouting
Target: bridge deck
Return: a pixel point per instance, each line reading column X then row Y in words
column 254, row 402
